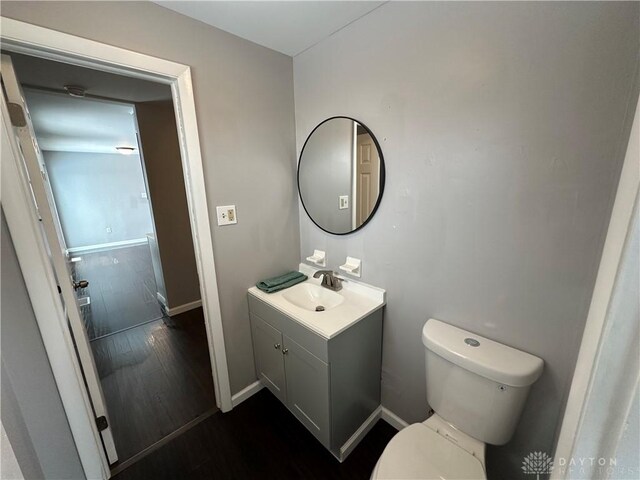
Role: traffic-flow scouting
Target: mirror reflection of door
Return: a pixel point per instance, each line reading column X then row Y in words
column 341, row 175
column 367, row 177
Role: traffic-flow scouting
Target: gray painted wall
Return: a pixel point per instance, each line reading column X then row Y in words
column 326, row 173
column 94, row 191
column 165, row 178
column 32, row 412
column 244, row 103
column 503, row 130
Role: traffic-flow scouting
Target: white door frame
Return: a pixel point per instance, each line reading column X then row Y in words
column 41, row 42
column 595, row 328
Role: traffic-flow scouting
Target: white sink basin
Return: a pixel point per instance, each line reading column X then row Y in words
column 342, row 309
column 312, row 297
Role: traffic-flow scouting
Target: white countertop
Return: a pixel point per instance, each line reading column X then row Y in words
column 360, row 300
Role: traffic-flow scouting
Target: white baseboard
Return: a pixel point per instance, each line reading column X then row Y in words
column 245, row 393
column 161, row 299
column 359, row 434
column 183, row 308
column 392, row 419
column 108, row 246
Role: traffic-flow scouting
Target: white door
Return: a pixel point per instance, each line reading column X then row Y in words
column 52, row 233
column 367, row 177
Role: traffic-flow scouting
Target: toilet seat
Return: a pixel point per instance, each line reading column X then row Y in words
column 418, row 452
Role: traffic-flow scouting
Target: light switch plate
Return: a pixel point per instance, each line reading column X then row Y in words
column 227, row 215
column 343, row 202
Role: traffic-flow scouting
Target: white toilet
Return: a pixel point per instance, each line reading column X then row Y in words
column 477, row 389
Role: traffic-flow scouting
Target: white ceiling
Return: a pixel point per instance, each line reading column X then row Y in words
column 288, row 27
column 64, row 123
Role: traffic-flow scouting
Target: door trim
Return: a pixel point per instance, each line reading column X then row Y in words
column 33, row 40
column 581, row 392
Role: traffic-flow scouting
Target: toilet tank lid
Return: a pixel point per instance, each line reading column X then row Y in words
column 484, row 357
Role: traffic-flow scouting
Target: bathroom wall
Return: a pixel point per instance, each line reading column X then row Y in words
column 96, row 191
column 32, row 412
column 244, row 104
column 332, row 168
column 163, row 164
column 503, row 127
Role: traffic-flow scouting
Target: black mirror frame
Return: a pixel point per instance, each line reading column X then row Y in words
column 382, row 175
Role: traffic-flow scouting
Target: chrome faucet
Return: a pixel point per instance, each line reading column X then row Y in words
column 330, row 280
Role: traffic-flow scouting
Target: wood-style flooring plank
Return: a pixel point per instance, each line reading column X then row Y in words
column 259, row 439
column 155, row 372
column 155, row 379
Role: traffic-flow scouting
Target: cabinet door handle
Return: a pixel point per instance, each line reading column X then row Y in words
column 285, row 351
column 276, row 346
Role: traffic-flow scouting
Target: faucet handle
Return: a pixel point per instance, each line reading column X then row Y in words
column 322, row 272
column 341, row 278
column 337, row 281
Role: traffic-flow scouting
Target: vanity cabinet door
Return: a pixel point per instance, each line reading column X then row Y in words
column 267, row 344
column 308, row 389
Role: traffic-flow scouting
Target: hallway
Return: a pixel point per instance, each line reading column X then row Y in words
column 154, row 369
column 121, row 289
column 156, row 378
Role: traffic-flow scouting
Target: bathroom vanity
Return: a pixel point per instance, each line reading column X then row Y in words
column 325, row 366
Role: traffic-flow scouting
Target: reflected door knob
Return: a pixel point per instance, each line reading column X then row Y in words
column 80, row 284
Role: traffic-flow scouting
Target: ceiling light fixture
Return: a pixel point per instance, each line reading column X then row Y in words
column 125, row 150
column 75, row 90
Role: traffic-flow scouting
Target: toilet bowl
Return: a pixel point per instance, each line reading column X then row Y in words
column 432, row 449
column 477, row 389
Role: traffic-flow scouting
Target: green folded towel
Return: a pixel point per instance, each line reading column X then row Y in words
column 287, row 280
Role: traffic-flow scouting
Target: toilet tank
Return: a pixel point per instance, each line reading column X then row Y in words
column 478, row 385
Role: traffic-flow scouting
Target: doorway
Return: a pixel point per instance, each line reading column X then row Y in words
column 148, row 340
column 79, row 397
column 100, row 200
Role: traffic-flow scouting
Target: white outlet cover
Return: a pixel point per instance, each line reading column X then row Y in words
column 226, row 215
column 343, row 202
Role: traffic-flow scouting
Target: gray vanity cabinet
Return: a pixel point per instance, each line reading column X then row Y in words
column 307, row 389
column 267, row 347
column 332, row 386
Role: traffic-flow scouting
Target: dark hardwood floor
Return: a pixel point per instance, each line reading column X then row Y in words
column 156, row 378
column 155, row 370
column 122, row 289
column 259, row 439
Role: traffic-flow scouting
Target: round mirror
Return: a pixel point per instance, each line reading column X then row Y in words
column 341, row 175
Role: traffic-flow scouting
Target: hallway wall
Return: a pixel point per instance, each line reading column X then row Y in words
column 165, row 177
column 96, row 191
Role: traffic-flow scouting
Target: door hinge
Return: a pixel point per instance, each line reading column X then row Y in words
column 102, row 423
column 16, row 114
